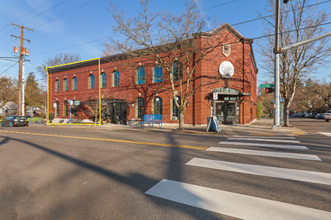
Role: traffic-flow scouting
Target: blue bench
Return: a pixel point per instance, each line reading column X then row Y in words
column 152, row 119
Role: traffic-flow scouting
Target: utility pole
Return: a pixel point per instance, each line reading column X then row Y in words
column 276, row 75
column 21, row 69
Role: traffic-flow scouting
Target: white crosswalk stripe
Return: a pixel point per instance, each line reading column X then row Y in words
column 325, row 133
column 244, row 206
column 233, row 204
column 265, row 153
column 283, row 173
column 265, row 137
column 268, row 140
column 264, row 145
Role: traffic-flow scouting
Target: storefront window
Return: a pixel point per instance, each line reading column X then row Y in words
column 175, row 110
column 157, row 106
column 57, row 108
column 140, row 107
column 65, row 108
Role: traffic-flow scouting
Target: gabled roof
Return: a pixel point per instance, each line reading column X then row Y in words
column 9, row 105
column 227, row 26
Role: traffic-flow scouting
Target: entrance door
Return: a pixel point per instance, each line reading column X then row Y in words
column 230, row 113
column 226, row 112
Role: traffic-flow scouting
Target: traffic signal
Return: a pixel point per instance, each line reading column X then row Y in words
column 285, row 1
column 269, row 90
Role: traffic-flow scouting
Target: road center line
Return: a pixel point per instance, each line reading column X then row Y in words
column 106, row 139
column 233, row 204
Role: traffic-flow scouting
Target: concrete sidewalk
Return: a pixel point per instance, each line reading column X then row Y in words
column 259, row 127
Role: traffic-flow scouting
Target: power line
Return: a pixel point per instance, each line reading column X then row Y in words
column 34, row 17
column 219, row 5
column 65, row 13
column 256, row 19
column 77, row 45
column 25, row 14
column 9, row 67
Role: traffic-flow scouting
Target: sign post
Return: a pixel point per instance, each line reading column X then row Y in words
column 70, row 112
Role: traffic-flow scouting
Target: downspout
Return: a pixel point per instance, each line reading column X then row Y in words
column 193, row 98
column 243, row 114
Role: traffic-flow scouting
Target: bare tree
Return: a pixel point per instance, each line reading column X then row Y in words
column 324, row 91
column 57, row 60
column 265, row 100
column 176, row 43
column 298, row 22
column 8, row 90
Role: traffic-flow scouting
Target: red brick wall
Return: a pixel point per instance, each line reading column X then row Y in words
column 244, row 80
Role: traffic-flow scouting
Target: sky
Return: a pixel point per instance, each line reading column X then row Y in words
column 61, row 26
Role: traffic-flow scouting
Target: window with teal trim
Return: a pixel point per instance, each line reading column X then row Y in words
column 74, row 83
column 91, row 81
column 177, row 70
column 116, row 79
column 157, row 74
column 141, row 75
column 57, row 85
column 65, row 84
column 103, row 80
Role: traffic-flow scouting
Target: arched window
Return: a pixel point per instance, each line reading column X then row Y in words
column 65, row 84
column 91, row 81
column 174, row 109
column 65, row 108
column 57, row 108
column 116, row 78
column 157, row 105
column 140, row 107
column 157, row 74
column 103, row 80
column 141, row 75
column 74, row 83
column 177, row 70
column 57, row 85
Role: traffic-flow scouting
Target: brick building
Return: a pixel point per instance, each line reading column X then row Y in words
column 132, row 92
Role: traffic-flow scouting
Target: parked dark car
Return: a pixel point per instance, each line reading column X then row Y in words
column 319, row 116
column 14, row 120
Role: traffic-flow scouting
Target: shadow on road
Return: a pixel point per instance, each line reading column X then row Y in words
column 136, row 181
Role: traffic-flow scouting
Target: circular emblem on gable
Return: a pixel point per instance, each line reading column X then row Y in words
column 226, row 69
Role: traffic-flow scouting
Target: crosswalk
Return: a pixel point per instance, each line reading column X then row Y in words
column 325, row 133
column 244, row 206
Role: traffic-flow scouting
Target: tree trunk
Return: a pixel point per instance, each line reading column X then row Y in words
column 181, row 122
column 286, row 116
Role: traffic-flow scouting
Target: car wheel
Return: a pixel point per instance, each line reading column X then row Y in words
column 327, row 120
column 27, row 125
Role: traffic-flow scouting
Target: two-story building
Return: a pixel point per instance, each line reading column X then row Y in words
column 131, row 91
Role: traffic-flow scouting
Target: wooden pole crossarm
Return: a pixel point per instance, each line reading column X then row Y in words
column 19, row 37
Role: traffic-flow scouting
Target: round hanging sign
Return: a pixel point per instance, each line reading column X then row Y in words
column 226, row 69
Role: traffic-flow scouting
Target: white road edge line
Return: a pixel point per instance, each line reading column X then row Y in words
column 269, row 140
column 282, row 173
column 264, row 145
column 233, row 204
column 264, row 153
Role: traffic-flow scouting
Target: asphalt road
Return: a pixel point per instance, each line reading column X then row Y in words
column 63, row 173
